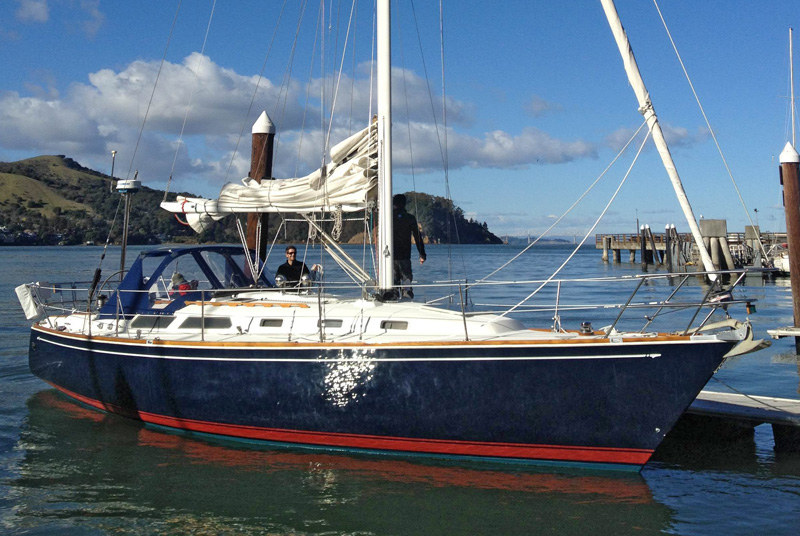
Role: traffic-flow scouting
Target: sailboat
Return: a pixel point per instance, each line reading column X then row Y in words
column 232, row 354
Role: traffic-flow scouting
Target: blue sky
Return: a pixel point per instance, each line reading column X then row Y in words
column 537, row 100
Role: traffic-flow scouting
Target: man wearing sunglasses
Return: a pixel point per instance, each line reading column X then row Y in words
column 293, row 270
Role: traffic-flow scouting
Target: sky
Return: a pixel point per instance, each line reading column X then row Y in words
column 537, row 102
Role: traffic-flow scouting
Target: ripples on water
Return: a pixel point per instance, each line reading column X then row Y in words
column 65, row 469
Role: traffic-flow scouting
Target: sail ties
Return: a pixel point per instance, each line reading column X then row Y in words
column 348, row 184
column 336, row 232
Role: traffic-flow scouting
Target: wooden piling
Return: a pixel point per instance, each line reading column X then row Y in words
column 790, row 161
column 677, row 248
column 643, row 247
column 260, row 169
column 668, row 249
column 656, row 259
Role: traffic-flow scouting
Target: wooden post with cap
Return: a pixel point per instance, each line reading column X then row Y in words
column 790, row 181
column 260, row 169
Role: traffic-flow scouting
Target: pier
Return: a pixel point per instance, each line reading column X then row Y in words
column 677, row 250
column 719, row 416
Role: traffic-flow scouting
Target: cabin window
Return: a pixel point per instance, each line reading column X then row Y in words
column 210, row 322
column 330, row 323
column 151, row 322
column 271, row 322
column 224, row 270
column 237, row 270
column 394, row 324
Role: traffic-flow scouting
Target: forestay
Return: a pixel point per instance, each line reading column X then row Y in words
column 347, row 183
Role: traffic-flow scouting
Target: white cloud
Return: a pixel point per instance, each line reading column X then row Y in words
column 538, row 107
column 83, row 14
column 531, row 146
column 94, row 17
column 91, row 119
column 32, row 11
column 50, row 124
column 46, row 86
column 675, row 136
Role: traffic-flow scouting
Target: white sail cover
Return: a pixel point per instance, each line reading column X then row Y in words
column 347, row 183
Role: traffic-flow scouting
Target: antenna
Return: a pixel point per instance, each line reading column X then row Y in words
column 111, row 182
column 791, row 84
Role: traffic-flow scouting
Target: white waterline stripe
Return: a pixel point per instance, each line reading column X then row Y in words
column 355, row 359
column 399, row 345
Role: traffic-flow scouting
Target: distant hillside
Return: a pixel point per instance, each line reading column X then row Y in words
column 443, row 222
column 525, row 240
column 55, row 200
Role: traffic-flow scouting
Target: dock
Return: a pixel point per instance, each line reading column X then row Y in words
column 715, row 416
column 676, row 250
column 788, row 331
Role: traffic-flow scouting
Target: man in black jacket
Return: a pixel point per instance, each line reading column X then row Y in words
column 292, row 270
column 405, row 226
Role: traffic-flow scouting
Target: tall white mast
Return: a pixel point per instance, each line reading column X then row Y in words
column 646, row 108
column 385, row 242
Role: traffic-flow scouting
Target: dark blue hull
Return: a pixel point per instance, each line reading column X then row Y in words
column 590, row 403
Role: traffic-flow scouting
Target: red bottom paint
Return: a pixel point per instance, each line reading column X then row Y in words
column 580, row 454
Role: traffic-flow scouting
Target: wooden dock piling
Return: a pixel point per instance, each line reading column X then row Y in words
column 643, row 247
column 790, row 161
column 668, row 249
column 261, row 154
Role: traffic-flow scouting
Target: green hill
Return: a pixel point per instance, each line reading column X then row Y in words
column 55, row 200
column 36, row 195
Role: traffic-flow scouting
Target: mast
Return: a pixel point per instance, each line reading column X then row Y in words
column 646, row 109
column 384, row 58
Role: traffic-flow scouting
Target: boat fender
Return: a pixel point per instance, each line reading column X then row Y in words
column 33, row 309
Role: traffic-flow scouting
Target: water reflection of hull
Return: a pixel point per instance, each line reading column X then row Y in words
column 618, row 488
column 623, row 489
column 559, row 403
column 105, row 473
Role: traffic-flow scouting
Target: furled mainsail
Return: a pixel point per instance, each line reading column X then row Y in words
column 347, row 183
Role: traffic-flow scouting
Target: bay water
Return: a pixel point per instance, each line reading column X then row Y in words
column 66, row 469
